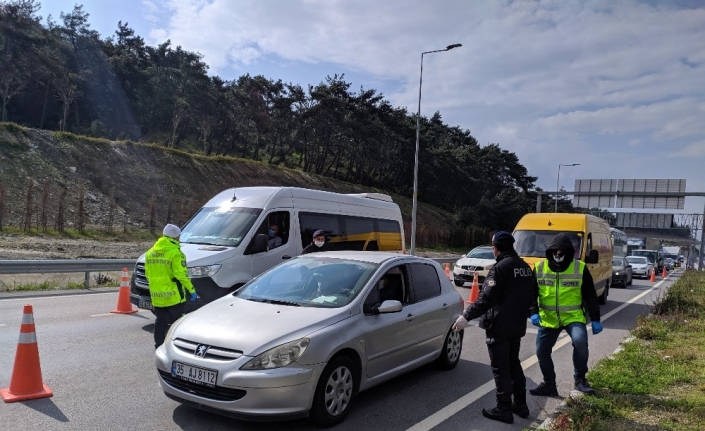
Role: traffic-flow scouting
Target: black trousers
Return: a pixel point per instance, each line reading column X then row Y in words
column 165, row 317
column 508, row 375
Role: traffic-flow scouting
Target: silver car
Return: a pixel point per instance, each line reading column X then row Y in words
column 305, row 337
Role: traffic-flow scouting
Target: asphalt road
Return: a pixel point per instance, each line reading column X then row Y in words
column 100, row 367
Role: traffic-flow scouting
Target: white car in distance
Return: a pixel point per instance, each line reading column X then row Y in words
column 480, row 260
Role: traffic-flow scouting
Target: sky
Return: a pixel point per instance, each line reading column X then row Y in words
column 616, row 86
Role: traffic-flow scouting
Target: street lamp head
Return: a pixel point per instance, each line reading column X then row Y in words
column 455, row 45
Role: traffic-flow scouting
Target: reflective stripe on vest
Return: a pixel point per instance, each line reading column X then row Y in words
column 560, row 294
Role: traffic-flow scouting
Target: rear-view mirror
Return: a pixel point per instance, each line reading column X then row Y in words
column 389, row 306
column 592, row 257
column 258, row 244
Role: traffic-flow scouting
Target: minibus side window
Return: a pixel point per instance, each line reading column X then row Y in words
column 282, row 220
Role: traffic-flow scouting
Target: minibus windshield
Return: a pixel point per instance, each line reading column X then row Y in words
column 219, row 226
column 533, row 243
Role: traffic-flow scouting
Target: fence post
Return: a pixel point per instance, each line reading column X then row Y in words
column 87, row 280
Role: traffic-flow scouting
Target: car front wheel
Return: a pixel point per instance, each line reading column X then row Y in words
column 452, row 348
column 335, row 391
column 459, row 283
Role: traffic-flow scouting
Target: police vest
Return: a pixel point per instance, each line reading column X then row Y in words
column 164, row 265
column 560, row 294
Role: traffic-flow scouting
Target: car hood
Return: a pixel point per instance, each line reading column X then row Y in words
column 202, row 254
column 253, row 327
column 473, row 261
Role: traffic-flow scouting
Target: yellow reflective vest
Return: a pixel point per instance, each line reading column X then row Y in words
column 165, row 268
column 560, row 294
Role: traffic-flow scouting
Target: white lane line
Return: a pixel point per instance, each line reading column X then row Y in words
column 2, row 324
column 115, row 314
column 30, row 298
column 456, row 406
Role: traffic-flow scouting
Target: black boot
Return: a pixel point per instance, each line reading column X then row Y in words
column 498, row 415
column 521, row 410
column 545, row 389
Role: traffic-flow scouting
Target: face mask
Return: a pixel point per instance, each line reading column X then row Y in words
column 319, row 243
column 272, row 234
column 558, row 258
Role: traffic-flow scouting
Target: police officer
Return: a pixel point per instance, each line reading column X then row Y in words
column 564, row 284
column 165, row 268
column 507, row 293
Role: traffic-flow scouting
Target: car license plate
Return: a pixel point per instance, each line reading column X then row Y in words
column 469, row 272
column 146, row 304
column 194, row 374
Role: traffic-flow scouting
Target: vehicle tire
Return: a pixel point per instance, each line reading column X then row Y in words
column 459, row 283
column 335, row 392
column 602, row 300
column 452, row 348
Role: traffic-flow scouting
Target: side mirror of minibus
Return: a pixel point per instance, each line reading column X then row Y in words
column 592, row 257
column 258, row 244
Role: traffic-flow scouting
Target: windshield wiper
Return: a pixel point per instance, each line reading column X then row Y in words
column 275, row 301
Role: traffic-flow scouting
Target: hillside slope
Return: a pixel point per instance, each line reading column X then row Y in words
column 40, row 165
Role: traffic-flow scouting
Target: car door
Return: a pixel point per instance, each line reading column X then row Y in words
column 390, row 339
column 430, row 312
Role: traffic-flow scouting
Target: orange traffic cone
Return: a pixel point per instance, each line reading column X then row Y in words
column 664, row 273
column 447, row 271
column 124, row 306
column 26, row 382
column 474, row 290
column 653, row 275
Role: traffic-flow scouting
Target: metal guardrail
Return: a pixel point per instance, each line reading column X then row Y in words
column 65, row 266
column 89, row 265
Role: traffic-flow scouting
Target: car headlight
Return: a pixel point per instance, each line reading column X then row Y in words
column 278, row 357
column 172, row 328
column 616, row 273
column 203, row 271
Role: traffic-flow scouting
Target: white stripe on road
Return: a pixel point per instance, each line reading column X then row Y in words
column 2, row 324
column 456, row 406
column 115, row 314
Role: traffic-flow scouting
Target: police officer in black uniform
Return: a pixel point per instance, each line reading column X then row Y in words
column 507, row 293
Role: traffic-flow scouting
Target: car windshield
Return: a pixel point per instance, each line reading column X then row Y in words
column 310, row 282
column 533, row 243
column 219, row 226
column 481, row 253
column 645, row 253
column 637, row 260
column 617, row 262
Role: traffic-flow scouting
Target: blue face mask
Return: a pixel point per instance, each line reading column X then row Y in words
column 272, row 234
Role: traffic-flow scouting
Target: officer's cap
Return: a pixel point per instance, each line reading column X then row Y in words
column 502, row 237
column 172, row 231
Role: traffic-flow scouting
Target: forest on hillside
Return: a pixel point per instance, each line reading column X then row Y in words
column 62, row 75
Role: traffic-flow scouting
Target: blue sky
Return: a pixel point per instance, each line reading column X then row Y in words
column 618, row 87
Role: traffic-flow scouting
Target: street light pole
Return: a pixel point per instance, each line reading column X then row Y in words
column 559, row 179
column 412, row 251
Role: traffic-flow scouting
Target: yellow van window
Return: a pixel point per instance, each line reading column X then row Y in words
column 533, row 243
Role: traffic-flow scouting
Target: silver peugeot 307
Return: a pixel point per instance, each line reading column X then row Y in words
column 305, row 337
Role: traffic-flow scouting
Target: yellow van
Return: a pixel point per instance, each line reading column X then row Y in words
column 590, row 235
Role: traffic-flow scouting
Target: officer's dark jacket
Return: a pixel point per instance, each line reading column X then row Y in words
column 507, row 293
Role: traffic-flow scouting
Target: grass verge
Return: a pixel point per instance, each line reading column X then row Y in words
column 657, row 382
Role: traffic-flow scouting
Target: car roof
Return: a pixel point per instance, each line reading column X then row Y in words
column 375, row 257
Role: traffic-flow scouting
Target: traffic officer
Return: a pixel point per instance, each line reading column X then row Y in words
column 564, row 284
column 507, row 293
column 165, row 268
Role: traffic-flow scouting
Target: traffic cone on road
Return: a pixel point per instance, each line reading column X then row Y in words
column 664, row 273
column 474, row 290
column 124, row 306
column 26, row 381
column 447, row 271
column 653, row 275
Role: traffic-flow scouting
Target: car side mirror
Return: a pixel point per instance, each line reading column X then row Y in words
column 592, row 257
column 257, row 245
column 389, row 306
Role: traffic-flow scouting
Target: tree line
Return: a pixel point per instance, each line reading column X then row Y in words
column 64, row 76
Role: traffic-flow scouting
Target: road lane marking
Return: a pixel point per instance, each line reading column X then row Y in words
column 446, row 412
column 2, row 324
column 115, row 314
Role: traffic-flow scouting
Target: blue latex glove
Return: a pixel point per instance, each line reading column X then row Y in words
column 536, row 320
column 596, row 328
column 194, row 296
